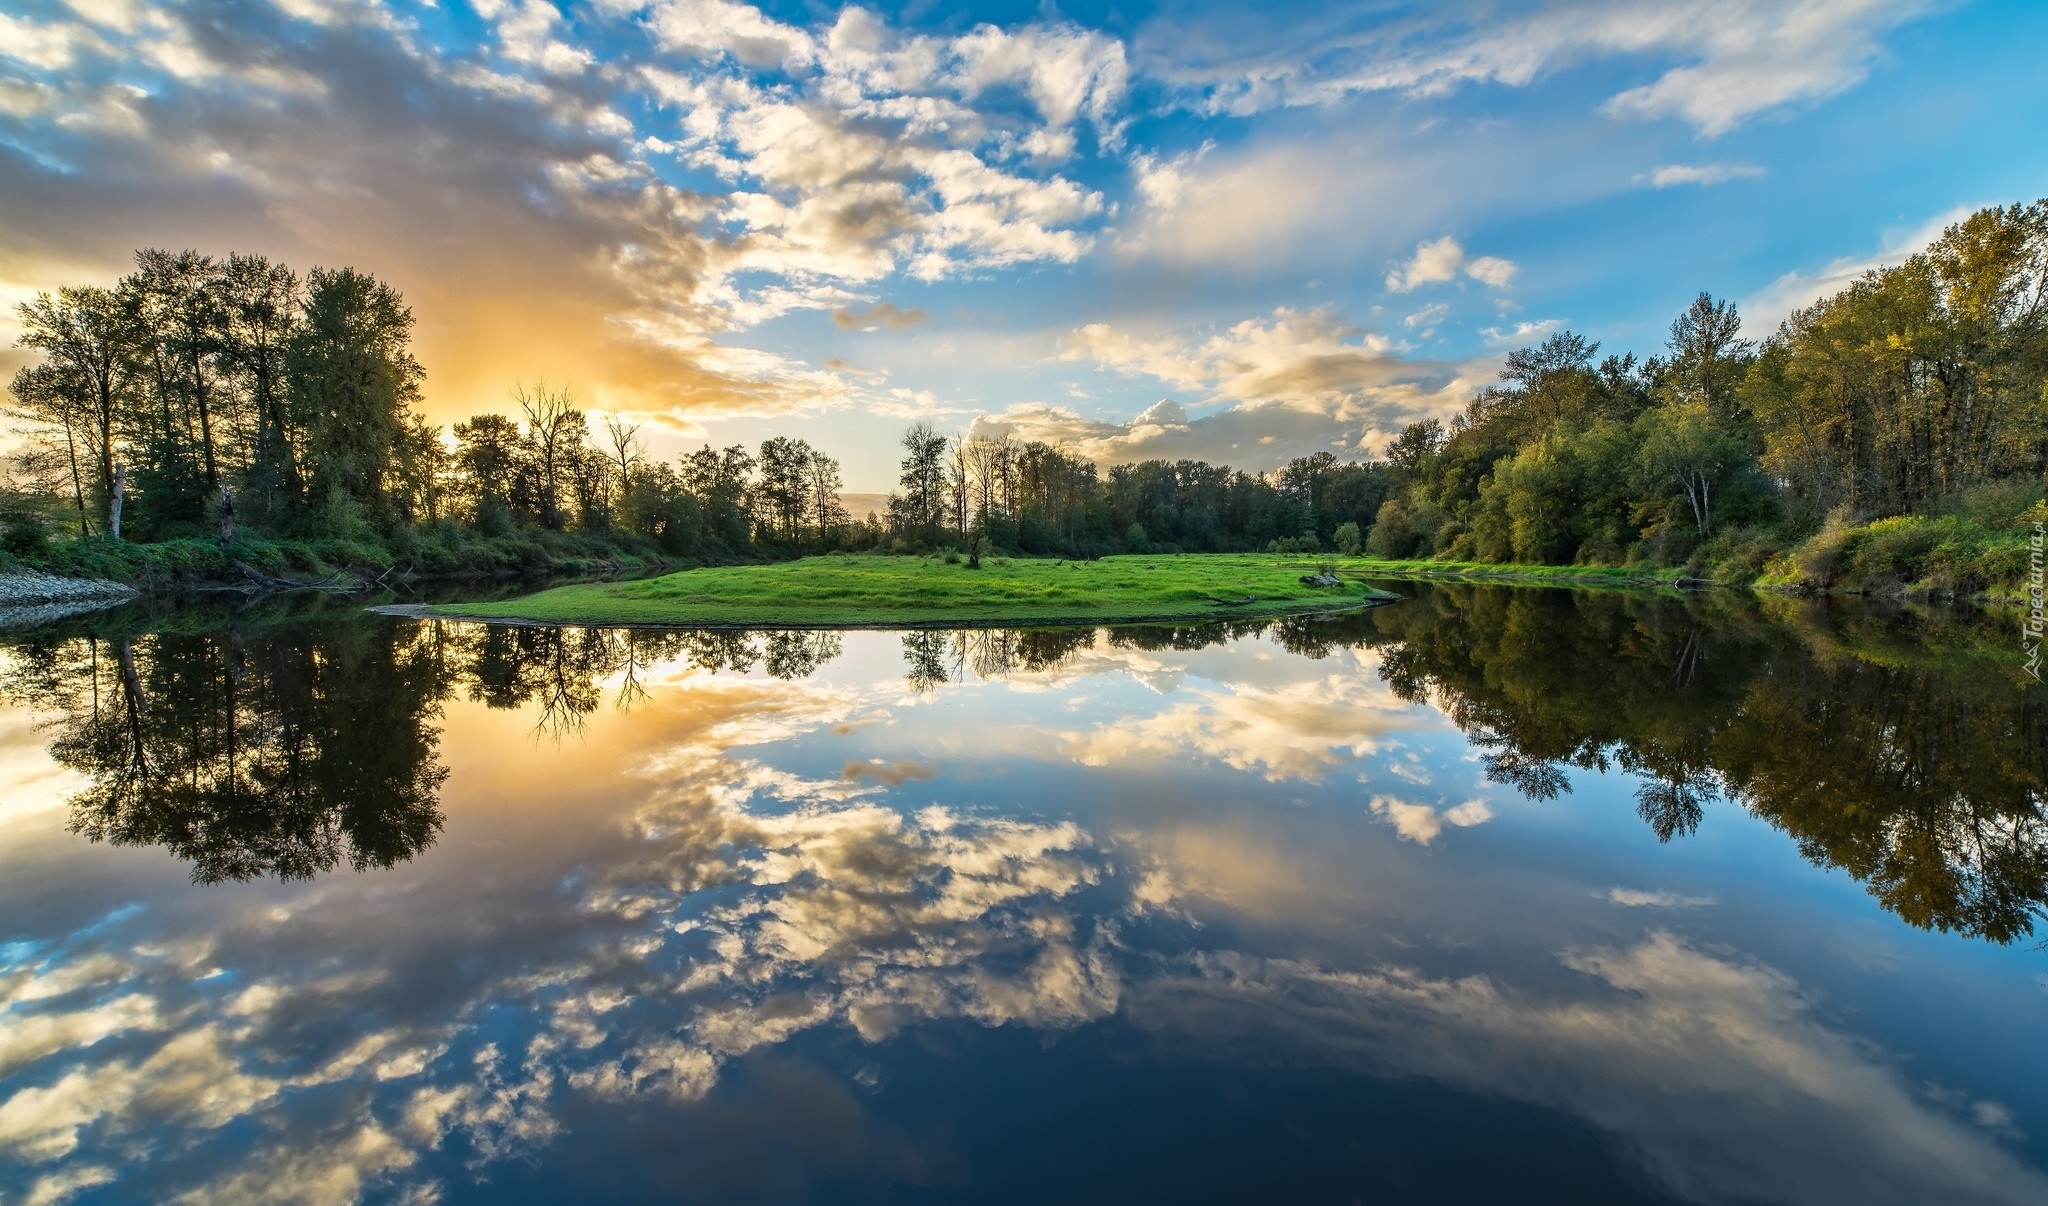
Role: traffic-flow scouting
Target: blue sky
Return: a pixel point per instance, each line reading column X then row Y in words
column 1218, row 230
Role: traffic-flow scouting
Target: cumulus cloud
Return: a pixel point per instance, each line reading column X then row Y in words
column 1441, row 260
column 340, row 133
column 1285, row 385
column 1296, row 730
column 1421, row 823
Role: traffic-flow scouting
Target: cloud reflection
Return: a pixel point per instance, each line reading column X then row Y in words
column 730, row 880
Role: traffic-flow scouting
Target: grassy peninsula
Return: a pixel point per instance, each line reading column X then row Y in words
column 864, row 590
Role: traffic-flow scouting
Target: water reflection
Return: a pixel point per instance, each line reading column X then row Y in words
column 682, row 877
column 1911, row 756
column 284, row 751
column 1906, row 755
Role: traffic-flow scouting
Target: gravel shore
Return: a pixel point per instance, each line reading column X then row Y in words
column 27, row 598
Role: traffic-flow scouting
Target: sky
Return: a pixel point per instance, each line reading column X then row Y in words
column 1236, row 232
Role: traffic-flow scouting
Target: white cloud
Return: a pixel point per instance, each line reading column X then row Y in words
column 1636, row 898
column 1675, row 1052
column 1293, row 383
column 1763, row 310
column 1295, row 730
column 1721, row 61
column 1437, row 261
column 1428, row 316
column 1420, row 823
column 1672, row 175
column 1534, row 330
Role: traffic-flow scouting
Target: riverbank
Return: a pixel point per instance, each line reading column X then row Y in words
column 848, row 591
column 173, row 568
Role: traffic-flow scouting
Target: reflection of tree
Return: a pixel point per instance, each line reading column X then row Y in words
column 286, row 753
column 925, row 654
column 299, row 745
column 562, row 669
column 933, row 657
column 1920, row 769
column 1926, row 783
column 795, row 654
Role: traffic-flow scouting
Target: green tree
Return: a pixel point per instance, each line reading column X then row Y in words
column 352, row 381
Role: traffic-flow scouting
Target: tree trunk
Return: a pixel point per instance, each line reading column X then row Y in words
column 114, row 500
column 227, row 516
column 77, row 487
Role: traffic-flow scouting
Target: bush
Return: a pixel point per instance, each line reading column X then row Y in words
column 1348, row 540
column 1391, row 538
column 23, row 536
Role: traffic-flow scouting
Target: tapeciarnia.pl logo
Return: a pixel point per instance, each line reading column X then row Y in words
column 2037, row 622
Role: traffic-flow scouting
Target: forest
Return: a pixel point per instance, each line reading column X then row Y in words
column 231, row 411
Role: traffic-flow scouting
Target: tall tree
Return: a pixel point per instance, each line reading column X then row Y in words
column 352, row 380
column 84, row 335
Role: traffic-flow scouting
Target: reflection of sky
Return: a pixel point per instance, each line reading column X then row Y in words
column 755, row 908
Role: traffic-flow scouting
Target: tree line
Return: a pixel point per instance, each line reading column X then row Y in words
column 197, row 391
column 1918, row 390
column 1036, row 498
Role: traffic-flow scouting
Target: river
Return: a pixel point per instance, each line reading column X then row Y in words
column 1494, row 894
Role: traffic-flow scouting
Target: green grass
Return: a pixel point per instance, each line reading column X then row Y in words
column 879, row 590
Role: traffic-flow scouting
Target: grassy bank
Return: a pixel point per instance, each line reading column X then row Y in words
column 1938, row 556
column 878, row 590
column 178, row 566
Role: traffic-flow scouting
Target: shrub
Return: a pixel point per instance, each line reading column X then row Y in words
column 1348, row 540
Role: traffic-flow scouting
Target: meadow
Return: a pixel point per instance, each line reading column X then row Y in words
column 865, row 590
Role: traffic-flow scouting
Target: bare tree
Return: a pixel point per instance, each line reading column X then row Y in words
column 554, row 429
column 625, row 449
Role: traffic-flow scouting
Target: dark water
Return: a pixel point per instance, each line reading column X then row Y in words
column 1493, row 895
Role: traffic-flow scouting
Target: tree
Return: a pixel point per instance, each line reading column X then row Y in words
column 1709, row 359
column 51, row 403
column 260, row 304
column 554, row 436
column 822, row 478
column 1683, row 450
column 352, row 381
column 84, row 335
column 487, row 454
column 923, row 479
column 1348, row 540
column 721, row 482
column 784, row 490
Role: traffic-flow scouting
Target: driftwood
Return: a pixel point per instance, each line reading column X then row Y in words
column 1325, row 580
column 264, row 584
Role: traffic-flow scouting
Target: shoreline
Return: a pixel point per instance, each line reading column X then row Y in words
column 430, row 611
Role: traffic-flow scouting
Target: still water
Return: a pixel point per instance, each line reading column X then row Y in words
column 1491, row 895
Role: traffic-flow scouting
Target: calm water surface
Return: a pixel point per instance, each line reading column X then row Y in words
column 1492, row 895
